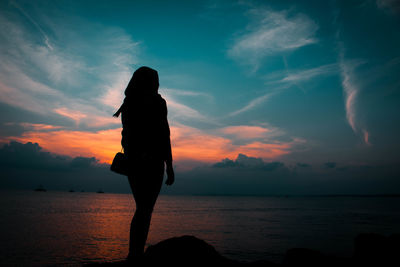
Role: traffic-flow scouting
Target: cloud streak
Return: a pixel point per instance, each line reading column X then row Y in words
column 270, row 33
column 247, row 131
column 181, row 112
column 308, row 74
column 40, row 29
column 252, row 104
column 351, row 91
column 187, row 93
column 49, row 80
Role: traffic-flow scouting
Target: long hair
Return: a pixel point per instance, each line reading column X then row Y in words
column 144, row 82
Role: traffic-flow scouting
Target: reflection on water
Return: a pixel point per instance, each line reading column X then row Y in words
column 70, row 228
column 56, row 227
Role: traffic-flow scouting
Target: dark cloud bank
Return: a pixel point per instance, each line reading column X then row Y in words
column 25, row 166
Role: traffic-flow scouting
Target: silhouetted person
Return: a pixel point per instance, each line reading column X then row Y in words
column 146, row 142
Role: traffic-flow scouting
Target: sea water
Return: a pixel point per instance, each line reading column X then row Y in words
column 71, row 228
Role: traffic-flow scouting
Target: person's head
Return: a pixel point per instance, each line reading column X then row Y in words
column 144, row 81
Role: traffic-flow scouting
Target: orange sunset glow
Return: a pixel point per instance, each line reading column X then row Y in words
column 187, row 143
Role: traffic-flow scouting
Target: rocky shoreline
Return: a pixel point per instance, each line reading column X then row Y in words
column 369, row 250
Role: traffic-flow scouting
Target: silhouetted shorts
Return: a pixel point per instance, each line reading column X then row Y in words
column 145, row 178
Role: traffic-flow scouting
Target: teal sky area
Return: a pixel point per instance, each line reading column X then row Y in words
column 305, row 82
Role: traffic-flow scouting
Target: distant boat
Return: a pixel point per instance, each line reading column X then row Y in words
column 100, row 191
column 71, row 191
column 40, row 189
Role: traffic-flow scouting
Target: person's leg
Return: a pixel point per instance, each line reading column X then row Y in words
column 136, row 223
column 145, row 187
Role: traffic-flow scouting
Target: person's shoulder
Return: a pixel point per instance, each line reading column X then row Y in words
column 163, row 105
column 162, row 100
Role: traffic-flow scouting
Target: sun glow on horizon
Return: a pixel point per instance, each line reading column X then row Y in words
column 188, row 144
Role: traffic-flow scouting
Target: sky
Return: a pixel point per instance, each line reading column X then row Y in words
column 264, row 97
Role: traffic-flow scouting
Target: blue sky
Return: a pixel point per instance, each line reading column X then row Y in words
column 296, row 82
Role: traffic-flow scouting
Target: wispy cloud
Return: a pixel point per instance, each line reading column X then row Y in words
column 114, row 91
column 283, row 79
column 246, row 133
column 72, row 114
column 350, row 84
column 31, row 20
column 351, row 91
column 179, row 92
column 43, row 74
column 252, row 104
column 308, row 74
column 272, row 32
column 18, row 98
column 36, row 126
column 177, row 109
column 350, row 88
column 181, row 112
column 300, row 77
column 36, row 97
column 366, row 137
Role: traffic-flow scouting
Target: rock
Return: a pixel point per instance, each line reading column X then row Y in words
column 185, row 250
column 303, row 257
column 376, row 250
column 369, row 250
column 311, row 258
column 394, row 248
column 191, row 251
column 260, row 263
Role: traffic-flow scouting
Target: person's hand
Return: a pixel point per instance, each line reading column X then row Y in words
column 170, row 174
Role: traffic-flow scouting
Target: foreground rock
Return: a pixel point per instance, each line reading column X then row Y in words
column 369, row 250
column 190, row 251
column 183, row 250
column 377, row 250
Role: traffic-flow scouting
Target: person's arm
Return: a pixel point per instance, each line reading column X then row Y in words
column 168, row 161
column 170, row 173
column 168, row 151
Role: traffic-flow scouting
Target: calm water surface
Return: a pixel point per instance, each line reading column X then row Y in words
column 56, row 228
